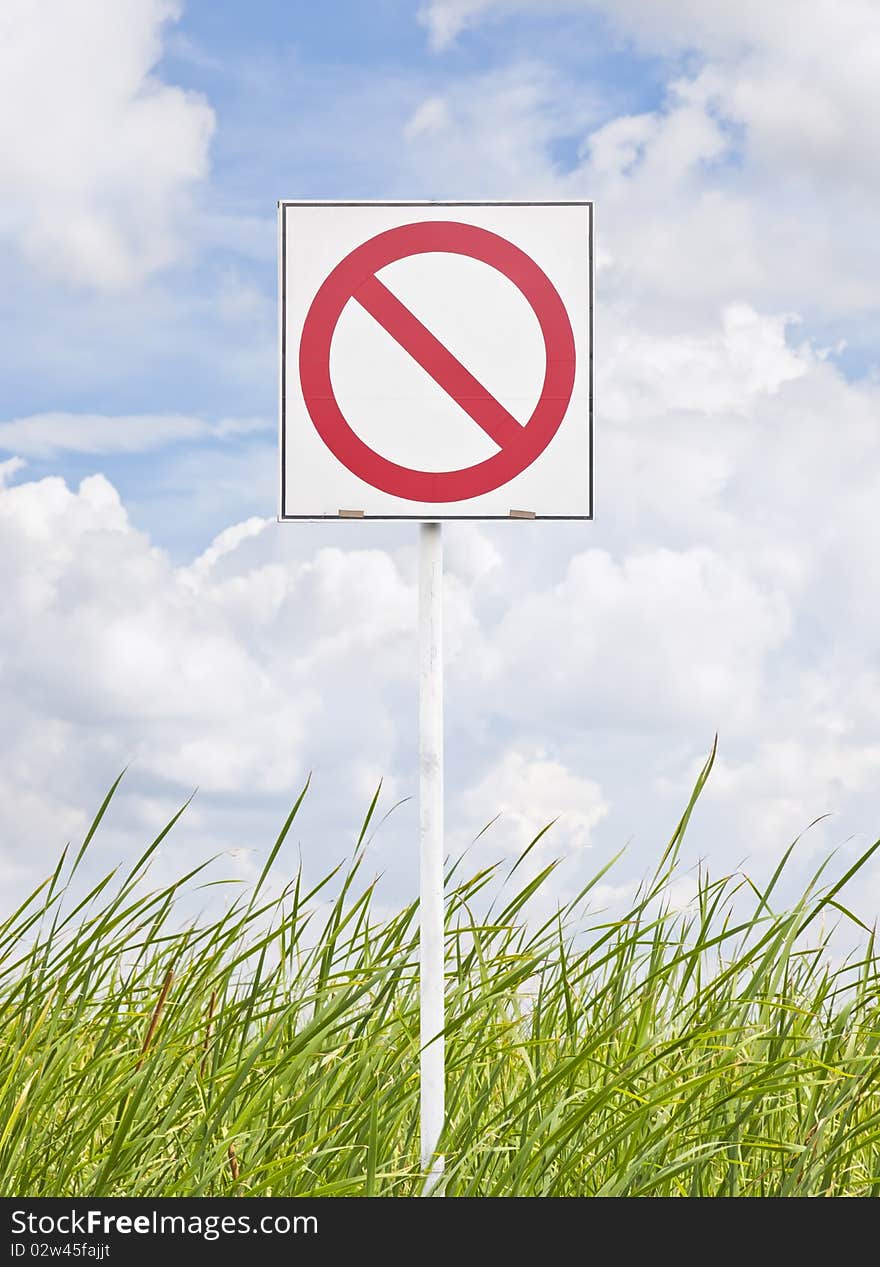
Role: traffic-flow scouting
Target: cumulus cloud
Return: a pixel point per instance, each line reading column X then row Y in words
column 680, row 635
column 234, row 674
column 737, row 185
column 802, row 81
column 528, row 791
column 98, row 155
column 728, row 366
column 769, row 789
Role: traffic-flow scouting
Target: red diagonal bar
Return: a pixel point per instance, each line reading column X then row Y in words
column 436, row 359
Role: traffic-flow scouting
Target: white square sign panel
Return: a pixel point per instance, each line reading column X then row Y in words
column 436, row 360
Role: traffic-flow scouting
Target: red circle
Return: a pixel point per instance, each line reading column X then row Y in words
column 314, row 360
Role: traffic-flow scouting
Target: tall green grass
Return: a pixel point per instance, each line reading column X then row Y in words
column 714, row 1050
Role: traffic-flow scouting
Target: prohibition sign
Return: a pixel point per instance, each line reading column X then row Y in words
column 355, row 278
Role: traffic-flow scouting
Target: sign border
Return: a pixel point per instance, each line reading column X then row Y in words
column 283, row 516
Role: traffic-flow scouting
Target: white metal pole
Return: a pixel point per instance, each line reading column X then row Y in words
column 431, row 852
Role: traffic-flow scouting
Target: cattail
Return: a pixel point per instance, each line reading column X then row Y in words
column 157, row 1012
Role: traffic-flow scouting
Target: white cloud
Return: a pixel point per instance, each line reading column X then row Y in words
column 801, row 79
column 445, row 19
column 471, row 555
column 497, row 132
column 528, row 791
column 231, row 675
column 661, row 637
column 98, row 155
column 226, row 542
column 9, row 469
column 785, row 784
column 432, row 116
column 47, row 435
column 738, row 185
column 726, row 367
column 263, row 659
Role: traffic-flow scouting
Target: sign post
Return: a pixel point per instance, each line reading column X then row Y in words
column 436, row 364
column 431, row 852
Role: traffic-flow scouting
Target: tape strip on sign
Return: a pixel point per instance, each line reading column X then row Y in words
column 355, row 278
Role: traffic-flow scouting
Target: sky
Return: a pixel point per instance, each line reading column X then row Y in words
column 155, row 616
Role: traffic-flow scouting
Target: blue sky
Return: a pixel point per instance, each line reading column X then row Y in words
column 155, row 614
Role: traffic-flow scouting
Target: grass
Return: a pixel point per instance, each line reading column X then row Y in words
column 715, row 1050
